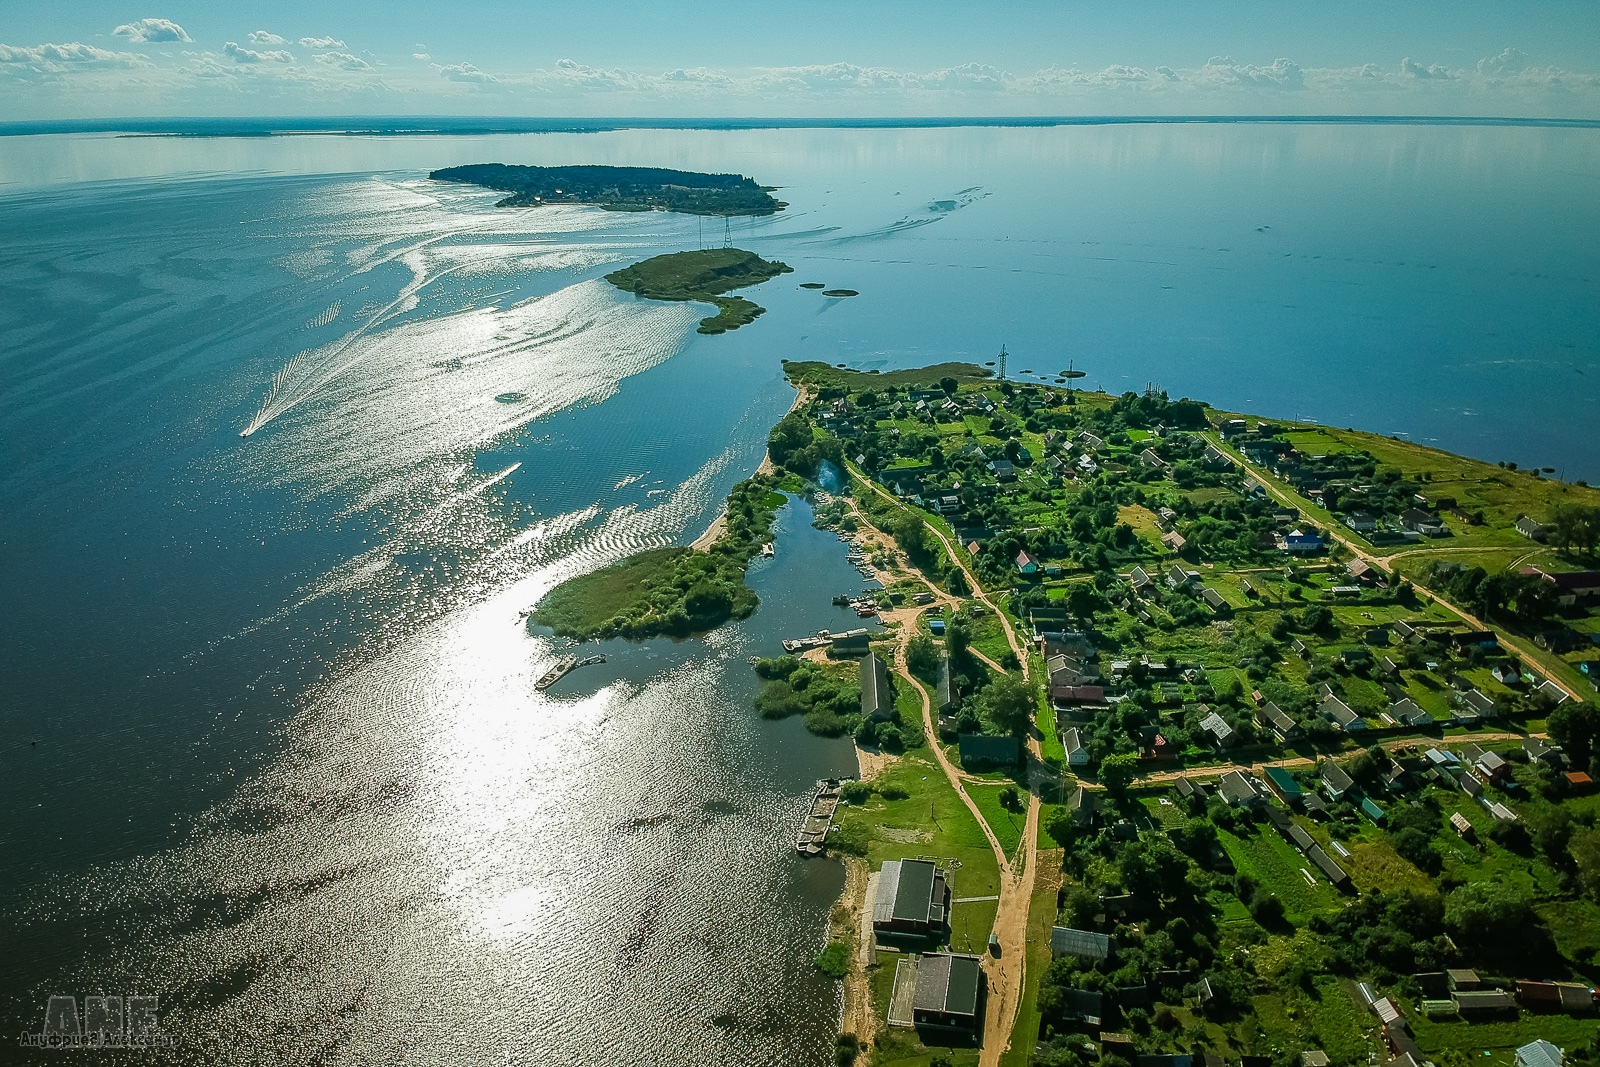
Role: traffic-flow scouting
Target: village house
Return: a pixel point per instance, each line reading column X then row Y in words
column 1221, row 734
column 1238, row 790
column 877, row 698
column 1418, row 521
column 1335, row 782
column 1282, row 725
column 913, row 897
column 1179, row 577
column 1301, row 543
column 949, row 993
column 1539, row 1053
column 1532, row 529
column 1571, row 586
column 1077, row 754
column 1339, row 713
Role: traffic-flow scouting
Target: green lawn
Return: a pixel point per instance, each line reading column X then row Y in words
column 930, row 821
column 1276, row 864
column 1007, row 825
column 1494, row 1043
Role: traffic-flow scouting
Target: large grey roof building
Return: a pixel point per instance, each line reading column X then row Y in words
column 949, row 991
column 877, row 698
column 913, row 898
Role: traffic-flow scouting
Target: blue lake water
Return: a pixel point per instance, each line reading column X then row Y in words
column 272, row 747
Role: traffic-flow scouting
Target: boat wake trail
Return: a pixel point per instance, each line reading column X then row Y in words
column 303, row 376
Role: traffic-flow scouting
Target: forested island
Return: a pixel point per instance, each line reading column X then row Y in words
column 703, row 275
column 673, row 591
column 619, row 188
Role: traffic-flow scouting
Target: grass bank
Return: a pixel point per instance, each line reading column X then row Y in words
column 675, row 591
column 703, row 276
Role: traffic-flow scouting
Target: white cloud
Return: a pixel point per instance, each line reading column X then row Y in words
column 321, row 42
column 1410, row 68
column 151, row 31
column 1509, row 82
column 1223, row 71
column 1510, row 61
column 697, row 76
column 75, row 55
column 464, row 72
column 342, row 61
column 245, row 55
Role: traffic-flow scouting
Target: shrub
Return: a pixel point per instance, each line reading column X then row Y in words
column 856, row 792
column 834, row 960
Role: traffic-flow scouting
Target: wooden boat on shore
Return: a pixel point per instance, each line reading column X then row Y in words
column 563, row 667
column 812, row 840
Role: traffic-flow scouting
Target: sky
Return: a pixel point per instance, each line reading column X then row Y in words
column 97, row 59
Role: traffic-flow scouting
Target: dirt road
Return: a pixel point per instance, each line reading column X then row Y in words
column 1007, row 973
column 1530, row 653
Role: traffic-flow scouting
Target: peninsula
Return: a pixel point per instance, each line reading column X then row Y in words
column 619, row 188
column 670, row 591
column 703, row 275
column 1216, row 735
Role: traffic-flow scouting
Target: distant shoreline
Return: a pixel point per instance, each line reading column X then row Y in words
column 436, row 126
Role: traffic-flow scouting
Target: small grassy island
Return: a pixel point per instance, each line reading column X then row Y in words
column 619, row 188
column 703, row 275
column 674, row 591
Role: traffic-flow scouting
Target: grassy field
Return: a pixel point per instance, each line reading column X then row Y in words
column 585, row 605
column 1275, row 864
column 931, row 821
column 1144, row 523
column 1007, row 825
column 1494, row 1043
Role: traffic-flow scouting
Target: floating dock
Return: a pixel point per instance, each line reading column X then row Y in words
column 822, row 639
column 563, row 667
column 812, row 839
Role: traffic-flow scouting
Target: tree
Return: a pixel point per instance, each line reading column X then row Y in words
column 1117, row 770
column 792, row 434
column 911, row 533
column 1585, row 850
column 1576, row 728
column 948, row 385
column 1483, row 913
column 1576, row 528
column 922, row 657
column 1009, row 701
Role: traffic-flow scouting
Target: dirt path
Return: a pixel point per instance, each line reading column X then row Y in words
column 1007, row 974
column 972, row 582
column 850, row 922
column 1217, row 770
column 1530, row 654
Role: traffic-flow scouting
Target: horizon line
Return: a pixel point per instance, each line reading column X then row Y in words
column 457, row 125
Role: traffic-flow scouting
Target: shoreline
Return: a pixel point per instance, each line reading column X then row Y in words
column 849, row 921
column 713, row 533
